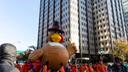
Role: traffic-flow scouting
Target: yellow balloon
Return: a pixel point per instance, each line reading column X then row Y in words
column 55, row 37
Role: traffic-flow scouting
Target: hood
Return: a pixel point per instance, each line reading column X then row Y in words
column 7, row 52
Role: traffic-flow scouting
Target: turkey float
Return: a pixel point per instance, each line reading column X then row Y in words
column 54, row 51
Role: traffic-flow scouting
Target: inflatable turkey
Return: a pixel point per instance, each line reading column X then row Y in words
column 54, row 52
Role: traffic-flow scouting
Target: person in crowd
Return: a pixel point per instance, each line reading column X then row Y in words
column 109, row 68
column 74, row 68
column 8, row 58
column 82, row 68
column 68, row 67
column 126, row 65
column 90, row 68
column 100, row 67
column 118, row 66
column 62, row 69
column 18, row 66
column 46, row 67
column 37, row 65
column 26, row 67
column 95, row 67
column 86, row 67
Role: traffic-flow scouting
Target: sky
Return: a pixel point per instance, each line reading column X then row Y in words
column 19, row 22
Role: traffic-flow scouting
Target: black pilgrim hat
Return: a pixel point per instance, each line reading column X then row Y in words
column 56, row 27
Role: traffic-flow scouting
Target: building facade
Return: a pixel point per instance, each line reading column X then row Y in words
column 75, row 18
column 125, row 9
column 91, row 24
column 108, row 22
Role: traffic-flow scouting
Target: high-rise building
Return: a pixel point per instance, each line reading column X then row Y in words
column 125, row 9
column 75, row 17
column 91, row 24
column 108, row 22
